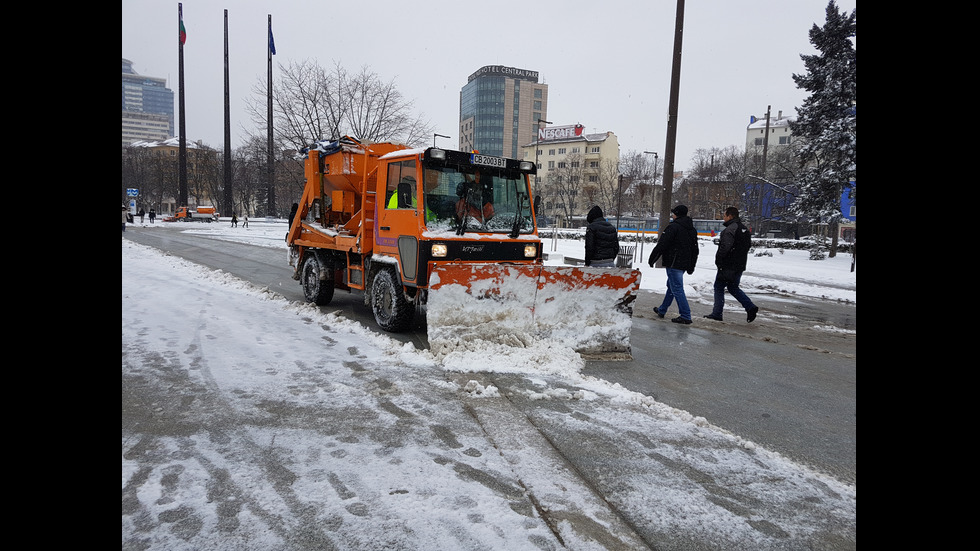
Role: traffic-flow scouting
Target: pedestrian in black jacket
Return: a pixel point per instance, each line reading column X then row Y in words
column 601, row 241
column 678, row 245
column 731, row 259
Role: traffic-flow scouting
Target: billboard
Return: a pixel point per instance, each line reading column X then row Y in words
column 560, row 132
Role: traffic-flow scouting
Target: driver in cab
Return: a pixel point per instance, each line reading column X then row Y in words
column 404, row 197
column 475, row 198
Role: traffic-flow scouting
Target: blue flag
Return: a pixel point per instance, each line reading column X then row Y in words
column 272, row 42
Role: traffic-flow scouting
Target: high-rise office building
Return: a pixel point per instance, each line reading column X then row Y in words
column 147, row 107
column 499, row 108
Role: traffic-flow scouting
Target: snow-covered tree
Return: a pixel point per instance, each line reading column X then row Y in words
column 826, row 124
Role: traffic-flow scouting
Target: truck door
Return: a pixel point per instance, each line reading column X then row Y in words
column 398, row 222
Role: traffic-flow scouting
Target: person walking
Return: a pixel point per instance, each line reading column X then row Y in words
column 125, row 215
column 678, row 246
column 731, row 259
column 141, row 213
column 234, row 220
column 153, row 215
column 244, row 220
column 601, row 240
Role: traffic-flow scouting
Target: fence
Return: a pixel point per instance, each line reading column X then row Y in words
column 625, row 257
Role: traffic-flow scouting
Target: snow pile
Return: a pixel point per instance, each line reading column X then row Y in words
column 546, row 315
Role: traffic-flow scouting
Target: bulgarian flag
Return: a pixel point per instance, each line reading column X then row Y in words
column 182, row 33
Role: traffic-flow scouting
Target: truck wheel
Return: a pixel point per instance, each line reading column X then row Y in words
column 391, row 310
column 316, row 290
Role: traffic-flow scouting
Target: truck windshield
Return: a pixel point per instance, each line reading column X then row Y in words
column 465, row 198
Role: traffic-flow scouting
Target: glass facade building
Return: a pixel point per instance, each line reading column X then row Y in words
column 498, row 110
column 151, row 99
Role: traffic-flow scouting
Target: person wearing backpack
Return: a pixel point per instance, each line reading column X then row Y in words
column 731, row 259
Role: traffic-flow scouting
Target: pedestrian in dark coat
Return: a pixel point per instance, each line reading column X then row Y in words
column 731, row 260
column 678, row 246
column 601, row 240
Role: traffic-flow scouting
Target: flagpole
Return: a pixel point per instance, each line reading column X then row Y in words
column 229, row 205
column 182, row 157
column 271, row 157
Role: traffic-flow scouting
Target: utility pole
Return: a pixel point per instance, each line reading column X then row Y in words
column 675, row 84
column 229, row 204
column 762, row 186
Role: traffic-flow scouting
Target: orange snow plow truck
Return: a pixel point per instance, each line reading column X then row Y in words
column 201, row 214
column 452, row 236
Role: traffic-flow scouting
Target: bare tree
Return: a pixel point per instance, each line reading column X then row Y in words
column 565, row 184
column 610, row 188
column 250, row 175
column 771, row 185
column 641, row 182
column 311, row 103
column 206, row 175
column 377, row 111
column 306, row 106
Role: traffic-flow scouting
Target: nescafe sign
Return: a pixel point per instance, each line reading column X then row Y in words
column 560, row 132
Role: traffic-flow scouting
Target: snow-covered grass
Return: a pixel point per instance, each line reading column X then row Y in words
column 770, row 269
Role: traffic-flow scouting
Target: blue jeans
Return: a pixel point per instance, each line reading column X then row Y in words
column 675, row 289
column 729, row 280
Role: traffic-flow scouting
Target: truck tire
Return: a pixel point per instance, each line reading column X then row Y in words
column 316, row 290
column 392, row 310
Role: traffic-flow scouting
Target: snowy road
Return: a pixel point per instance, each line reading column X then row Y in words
column 242, row 430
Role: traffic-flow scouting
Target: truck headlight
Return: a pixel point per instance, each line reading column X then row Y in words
column 530, row 251
column 439, row 250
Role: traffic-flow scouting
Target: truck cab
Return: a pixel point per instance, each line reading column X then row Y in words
column 469, row 207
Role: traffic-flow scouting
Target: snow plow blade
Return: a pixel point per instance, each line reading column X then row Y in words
column 587, row 309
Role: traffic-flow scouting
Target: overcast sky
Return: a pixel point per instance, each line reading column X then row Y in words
column 607, row 64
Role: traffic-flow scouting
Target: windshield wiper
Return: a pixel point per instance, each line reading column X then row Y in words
column 461, row 228
column 518, row 217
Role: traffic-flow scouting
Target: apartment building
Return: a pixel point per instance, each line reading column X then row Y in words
column 779, row 133
column 575, row 169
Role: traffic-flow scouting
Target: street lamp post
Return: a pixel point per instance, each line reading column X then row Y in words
column 619, row 200
column 537, row 147
column 655, row 158
column 434, row 136
column 654, row 153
